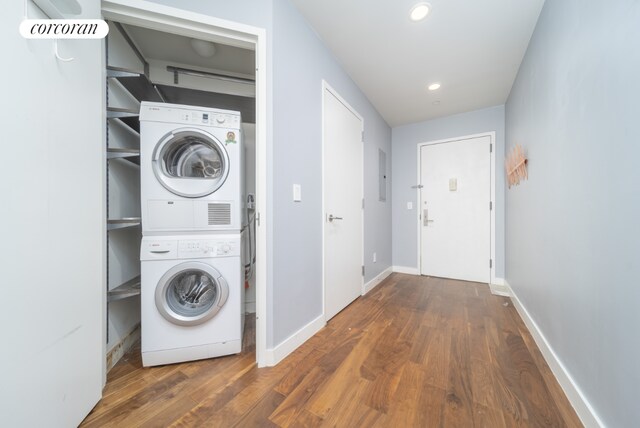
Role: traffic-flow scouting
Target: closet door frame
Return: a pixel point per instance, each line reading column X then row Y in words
column 182, row 22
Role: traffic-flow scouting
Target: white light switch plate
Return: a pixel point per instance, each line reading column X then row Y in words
column 297, row 193
column 409, row 205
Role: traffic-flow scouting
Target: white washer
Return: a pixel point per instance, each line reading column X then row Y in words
column 191, row 297
column 191, row 162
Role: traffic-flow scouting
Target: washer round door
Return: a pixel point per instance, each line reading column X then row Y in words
column 191, row 293
column 190, row 162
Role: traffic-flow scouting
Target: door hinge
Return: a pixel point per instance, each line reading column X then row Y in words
column 491, row 148
column 490, row 263
column 258, row 218
column 490, row 205
column 363, row 136
column 362, row 270
column 362, row 203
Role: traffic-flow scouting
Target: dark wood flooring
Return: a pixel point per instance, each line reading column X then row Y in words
column 414, row 352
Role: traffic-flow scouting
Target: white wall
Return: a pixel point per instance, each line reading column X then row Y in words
column 405, row 141
column 573, row 242
column 51, row 182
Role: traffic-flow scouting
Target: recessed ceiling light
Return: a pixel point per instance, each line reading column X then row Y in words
column 419, row 11
column 434, row 86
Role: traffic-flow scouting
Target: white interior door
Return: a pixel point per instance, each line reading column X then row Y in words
column 342, row 139
column 52, row 229
column 455, row 217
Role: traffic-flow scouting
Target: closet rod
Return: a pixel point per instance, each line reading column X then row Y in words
column 179, row 70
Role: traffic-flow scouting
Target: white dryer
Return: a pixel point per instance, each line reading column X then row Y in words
column 192, row 298
column 191, row 161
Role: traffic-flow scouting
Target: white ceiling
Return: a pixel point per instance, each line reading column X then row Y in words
column 473, row 48
column 176, row 49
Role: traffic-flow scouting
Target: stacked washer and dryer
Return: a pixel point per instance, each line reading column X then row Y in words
column 192, row 272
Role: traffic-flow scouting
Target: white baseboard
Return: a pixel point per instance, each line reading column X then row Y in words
column 499, row 287
column 377, row 280
column 407, row 270
column 575, row 396
column 250, row 307
column 280, row 352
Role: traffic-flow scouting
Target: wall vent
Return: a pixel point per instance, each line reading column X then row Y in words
column 219, row 214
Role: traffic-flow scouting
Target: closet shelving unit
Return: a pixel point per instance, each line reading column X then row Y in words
column 127, row 85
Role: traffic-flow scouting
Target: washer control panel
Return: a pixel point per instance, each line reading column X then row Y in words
column 218, row 247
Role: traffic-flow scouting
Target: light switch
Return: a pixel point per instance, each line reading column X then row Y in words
column 453, row 184
column 409, row 205
column 297, row 193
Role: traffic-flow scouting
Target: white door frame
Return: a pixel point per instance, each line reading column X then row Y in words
column 492, row 232
column 169, row 19
column 326, row 87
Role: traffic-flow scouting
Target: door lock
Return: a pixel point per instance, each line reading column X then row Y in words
column 425, row 218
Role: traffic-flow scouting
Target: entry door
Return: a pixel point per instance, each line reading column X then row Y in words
column 342, row 139
column 455, row 218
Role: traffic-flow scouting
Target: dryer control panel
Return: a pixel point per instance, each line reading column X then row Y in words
column 188, row 115
column 202, row 248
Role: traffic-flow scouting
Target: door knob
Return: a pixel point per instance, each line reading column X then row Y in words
column 331, row 217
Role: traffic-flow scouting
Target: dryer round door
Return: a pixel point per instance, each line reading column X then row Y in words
column 190, row 162
column 191, row 293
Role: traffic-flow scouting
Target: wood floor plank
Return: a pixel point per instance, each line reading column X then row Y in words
column 505, row 378
column 486, row 417
column 169, row 413
column 350, row 411
column 306, row 419
column 416, row 403
column 291, row 407
column 543, row 410
column 258, row 416
column 146, row 399
column 482, row 384
column 292, row 379
column 459, row 400
column 346, row 373
column 436, row 361
column 414, row 352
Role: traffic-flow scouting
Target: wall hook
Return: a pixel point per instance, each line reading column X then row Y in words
column 55, row 50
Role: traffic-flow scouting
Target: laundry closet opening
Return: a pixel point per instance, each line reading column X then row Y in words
column 181, row 187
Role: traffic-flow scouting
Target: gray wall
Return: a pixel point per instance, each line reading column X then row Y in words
column 405, row 140
column 299, row 63
column 573, row 246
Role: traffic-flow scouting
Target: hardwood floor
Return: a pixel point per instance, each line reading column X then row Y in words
column 414, row 352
